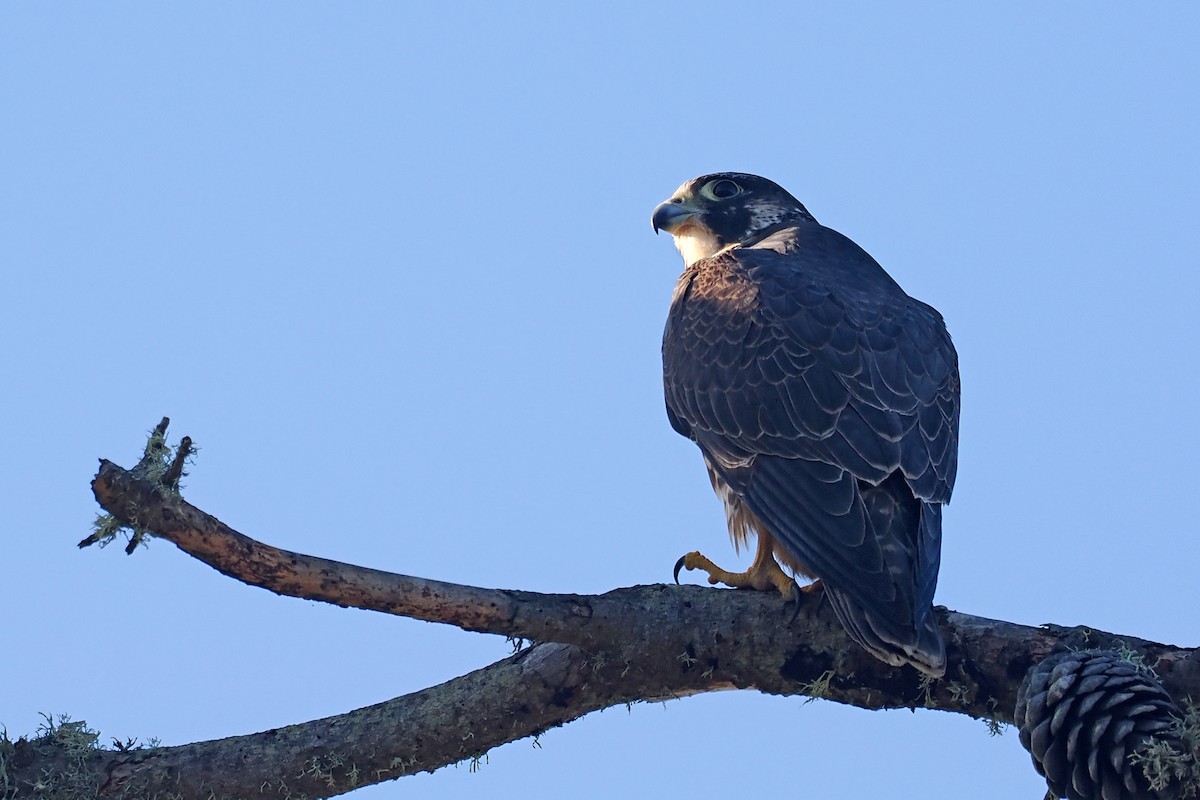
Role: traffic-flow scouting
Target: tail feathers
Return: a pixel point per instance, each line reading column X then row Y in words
column 921, row 646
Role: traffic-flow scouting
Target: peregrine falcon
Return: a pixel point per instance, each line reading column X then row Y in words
column 825, row 402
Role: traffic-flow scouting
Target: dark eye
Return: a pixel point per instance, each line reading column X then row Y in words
column 723, row 189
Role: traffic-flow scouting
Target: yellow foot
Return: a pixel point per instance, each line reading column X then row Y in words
column 764, row 574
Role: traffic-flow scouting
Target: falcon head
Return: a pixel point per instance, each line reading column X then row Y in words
column 713, row 212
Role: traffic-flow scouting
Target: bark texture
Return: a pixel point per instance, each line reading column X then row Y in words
column 590, row 652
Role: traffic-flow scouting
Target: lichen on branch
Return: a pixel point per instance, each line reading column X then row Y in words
column 588, row 652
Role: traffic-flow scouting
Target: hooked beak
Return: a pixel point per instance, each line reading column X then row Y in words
column 670, row 216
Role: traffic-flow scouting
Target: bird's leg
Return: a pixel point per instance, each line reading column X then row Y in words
column 764, row 574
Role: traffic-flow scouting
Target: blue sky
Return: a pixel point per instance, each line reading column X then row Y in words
column 392, row 268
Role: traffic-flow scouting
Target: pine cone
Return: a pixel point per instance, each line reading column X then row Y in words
column 1083, row 714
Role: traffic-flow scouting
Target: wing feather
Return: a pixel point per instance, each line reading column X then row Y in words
column 827, row 400
column 816, row 335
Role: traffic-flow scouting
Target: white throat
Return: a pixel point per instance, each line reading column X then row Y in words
column 695, row 242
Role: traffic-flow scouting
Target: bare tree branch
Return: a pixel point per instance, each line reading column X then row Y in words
column 593, row 651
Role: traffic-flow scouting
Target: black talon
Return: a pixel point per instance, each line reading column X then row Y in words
column 679, row 566
column 795, row 602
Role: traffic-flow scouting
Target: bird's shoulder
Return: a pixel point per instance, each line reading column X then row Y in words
column 802, row 269
column 809, row 259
